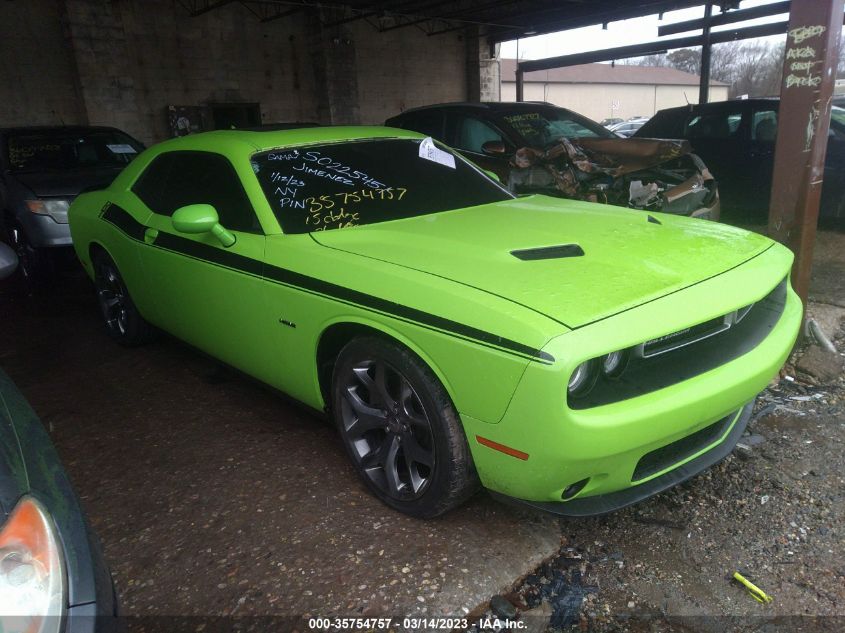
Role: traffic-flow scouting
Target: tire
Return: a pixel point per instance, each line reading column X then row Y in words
column 400, row 429
column 122, row 320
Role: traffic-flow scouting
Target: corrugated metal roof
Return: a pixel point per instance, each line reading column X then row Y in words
column 606, row 74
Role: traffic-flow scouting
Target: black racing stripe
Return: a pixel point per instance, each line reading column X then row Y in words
column 390, row 307
column 207, row 253
column 124, row 221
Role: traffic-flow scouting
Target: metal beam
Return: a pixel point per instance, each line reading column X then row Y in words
column 566, row 18
column 652, row 48
column 809, row 69
column 730, row 17
column 281, row 14
column 706, row 47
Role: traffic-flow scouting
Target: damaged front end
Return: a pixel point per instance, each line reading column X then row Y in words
column 650, row 174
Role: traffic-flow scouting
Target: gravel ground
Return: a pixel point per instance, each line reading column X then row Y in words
column 773, row 511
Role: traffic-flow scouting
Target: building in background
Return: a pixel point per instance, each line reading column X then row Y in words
column 605, row 91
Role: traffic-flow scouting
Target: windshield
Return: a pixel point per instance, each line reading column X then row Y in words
column 542, row 127
column 50, row 150
column 340, row 185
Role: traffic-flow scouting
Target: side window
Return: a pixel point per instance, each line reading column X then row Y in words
column 177, row 179
column 713, row 125
column 472, row 133
column 428, row 122
column 764, row 126
column 152, row 183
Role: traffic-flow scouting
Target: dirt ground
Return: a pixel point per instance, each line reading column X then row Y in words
column 213, row 496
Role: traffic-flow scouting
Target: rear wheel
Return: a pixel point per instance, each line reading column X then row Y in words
column 122, row 320
column 400, row 429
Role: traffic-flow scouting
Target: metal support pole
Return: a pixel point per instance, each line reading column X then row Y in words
column 520, row 81
column 809, row 69
column 706, row 44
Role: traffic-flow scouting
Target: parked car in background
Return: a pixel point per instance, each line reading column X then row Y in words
column 737, row 141
column 627, row 128
column 42, row 169
column 540, row 148
column 53, row 577
column 576, row 356
column 608, row 122
column 8, row 261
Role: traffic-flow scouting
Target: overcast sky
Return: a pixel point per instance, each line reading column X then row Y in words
column 625, row 32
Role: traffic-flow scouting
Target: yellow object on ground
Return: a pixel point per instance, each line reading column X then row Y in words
column 758, row 594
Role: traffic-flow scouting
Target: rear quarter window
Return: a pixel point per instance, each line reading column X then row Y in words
column 664, row 125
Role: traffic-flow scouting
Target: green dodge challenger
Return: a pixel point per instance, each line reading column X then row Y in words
column 573, row 356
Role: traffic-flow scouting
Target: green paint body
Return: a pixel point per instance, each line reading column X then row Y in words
column 637, row 280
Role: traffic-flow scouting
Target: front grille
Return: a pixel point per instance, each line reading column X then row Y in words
column 646, row 374
column 666, row 456
column 684, row 337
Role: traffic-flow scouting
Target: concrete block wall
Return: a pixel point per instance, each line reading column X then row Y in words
column 406, row 68
column 123, row 62
column 37, row 76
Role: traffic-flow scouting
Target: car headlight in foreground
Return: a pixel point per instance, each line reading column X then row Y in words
column 32, row 582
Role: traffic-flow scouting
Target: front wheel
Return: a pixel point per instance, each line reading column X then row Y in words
column 123, row 321
column 400, row 429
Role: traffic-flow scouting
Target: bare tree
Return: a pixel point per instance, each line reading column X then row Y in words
column 752, row 68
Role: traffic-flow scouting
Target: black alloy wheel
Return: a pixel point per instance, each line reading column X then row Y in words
column 400, row 429
column 122, row 320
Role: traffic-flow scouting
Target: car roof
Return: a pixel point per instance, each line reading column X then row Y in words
column 489, row 106
column 261, row 140
column 34, row 129
column 715, row 105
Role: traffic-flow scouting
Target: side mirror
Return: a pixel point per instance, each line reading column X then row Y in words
column 493, row 175
column 8, row 261
column 494, row 148
column 201, row 218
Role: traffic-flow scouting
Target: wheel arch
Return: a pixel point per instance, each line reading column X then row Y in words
column 94, row 248
column 337, row 334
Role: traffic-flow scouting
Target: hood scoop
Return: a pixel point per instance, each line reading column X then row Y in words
column 549, row 252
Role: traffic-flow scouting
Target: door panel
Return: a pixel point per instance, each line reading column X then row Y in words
column 720, row 138
column 207, row 295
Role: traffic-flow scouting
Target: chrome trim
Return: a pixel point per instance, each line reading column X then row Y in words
column 728, row 320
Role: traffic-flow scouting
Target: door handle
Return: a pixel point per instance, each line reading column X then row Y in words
column 150, row 235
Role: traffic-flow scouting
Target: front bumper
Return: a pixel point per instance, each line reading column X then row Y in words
column 606, row 445
column 612, row 501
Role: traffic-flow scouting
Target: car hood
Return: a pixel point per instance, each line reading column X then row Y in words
column 613, row 259
column 66, row 183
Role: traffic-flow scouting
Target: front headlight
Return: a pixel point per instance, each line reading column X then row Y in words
column 32, row 576
column 583, row 378
column 615, row 363
column 56, row 209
